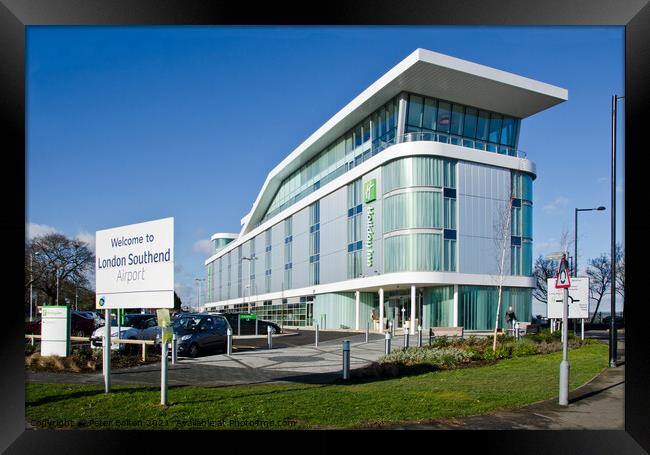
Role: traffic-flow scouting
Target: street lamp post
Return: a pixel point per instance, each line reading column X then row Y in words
column 575, row 243
column 250, row 259
column 612, row 325
column 198, row 292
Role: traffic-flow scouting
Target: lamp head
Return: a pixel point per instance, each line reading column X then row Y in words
column 601, row 208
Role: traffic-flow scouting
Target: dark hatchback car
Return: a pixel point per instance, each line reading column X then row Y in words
column 248, row 325
column 200, row 333
column 81, row 325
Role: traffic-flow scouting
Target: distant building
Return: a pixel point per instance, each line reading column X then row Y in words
column 394, row 200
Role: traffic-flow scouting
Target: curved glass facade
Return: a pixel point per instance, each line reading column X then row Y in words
column 412, row 171
column 438, row 307
column 413, row 252
column 521, row 250
column 465, row 125
column 417, row 209
column 477, row 306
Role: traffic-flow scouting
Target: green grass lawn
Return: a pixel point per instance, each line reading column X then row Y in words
column 453, row 393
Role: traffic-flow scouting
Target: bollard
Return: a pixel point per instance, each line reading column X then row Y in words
column 419, row 336
column 269, row 336
column 238, row 324
column 229, row 342
column 163, row 375
column 346, row 359
column 390, row 327
column 430, row 336
column 174, row 343
column 144, row 352
column 32, row 340
column 256, row 333
column 367, row 330
column 406, row 336
column 582, row 329
column 316, row 336
column 387, row 344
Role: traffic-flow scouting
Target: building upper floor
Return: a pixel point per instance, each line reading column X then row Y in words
column 426, row 97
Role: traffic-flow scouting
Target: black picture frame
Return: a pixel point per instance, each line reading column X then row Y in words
column 15, row 15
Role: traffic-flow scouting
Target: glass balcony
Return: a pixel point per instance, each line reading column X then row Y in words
column 457, row 140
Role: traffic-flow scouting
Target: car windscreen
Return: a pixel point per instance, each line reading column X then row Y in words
column 135, row 321
column 188, row 323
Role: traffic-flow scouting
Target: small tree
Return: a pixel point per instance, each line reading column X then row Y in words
column 177, row 302
column 620, row 270
column 600, row 278
column 502, row 227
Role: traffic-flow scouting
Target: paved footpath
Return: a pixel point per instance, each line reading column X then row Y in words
column 294, row 363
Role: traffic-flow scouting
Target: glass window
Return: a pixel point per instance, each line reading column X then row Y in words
column 413, row 252
column 457, row 120
column 482, row 125
column 450, row 213
column 450, row 173
column 415, row 111
column 444, row 117
column 495, row 128
column 429, row 120
column 508, row 131
column 420, row 209
column 469, row 129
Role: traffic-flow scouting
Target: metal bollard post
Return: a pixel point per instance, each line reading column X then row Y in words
column 32, row 340
column 367, row 330
column 256, row 332
column 387, row 344
column 406, row 336
column 390, row 327
column 238, row 324
column 174, row 343
column 582, row 329
column 346, row 359
column 430, row 336
column 419, row 336
column 229, row 342
column 269, row 336
column 316, row 336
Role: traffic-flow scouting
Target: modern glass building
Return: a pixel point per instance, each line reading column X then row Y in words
column 410, row 204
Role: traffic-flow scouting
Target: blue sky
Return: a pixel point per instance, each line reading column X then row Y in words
column 130, row 124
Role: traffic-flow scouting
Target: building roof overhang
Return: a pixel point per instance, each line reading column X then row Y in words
column 427, row 73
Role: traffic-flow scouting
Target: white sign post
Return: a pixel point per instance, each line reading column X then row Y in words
column 578, row 299
column 55, row 331
column 134, row 269
column 563, row 281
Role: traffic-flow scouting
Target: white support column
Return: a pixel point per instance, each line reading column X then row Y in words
column 357, row 295
column 413, row 306
column 401, row 116
column 381, row 309
column 455, row 305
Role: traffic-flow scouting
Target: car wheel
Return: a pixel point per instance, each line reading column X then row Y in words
column 194, row 350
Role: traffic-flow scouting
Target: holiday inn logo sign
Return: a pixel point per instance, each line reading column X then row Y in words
column 369, row 195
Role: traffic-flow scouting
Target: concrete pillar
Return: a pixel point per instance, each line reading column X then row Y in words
column 413, row 306
column 381, row 309
column 455, row 305
column 357, row 295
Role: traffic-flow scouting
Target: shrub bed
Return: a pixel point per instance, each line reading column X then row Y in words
column 448, row 353
column 82, row 359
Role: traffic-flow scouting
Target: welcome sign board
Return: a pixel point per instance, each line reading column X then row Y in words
column 55, row 331
column 135, row 266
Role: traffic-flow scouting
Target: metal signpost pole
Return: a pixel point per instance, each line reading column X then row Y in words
column 107, row 351
column 564, row 365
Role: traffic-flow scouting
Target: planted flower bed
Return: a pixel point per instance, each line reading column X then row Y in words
column 446, row 353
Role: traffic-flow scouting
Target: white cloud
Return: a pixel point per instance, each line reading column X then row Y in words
column 203, row 246
column 559, row 203
column 37, row 230
column 88, row 238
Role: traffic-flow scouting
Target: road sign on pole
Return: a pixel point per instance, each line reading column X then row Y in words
column 563, row 281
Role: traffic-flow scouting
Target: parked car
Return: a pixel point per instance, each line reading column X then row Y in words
column 135, row 327
column 248, row 325
column 80, row 325
column 198, row 333
column 618, row 321
column 97, row 320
